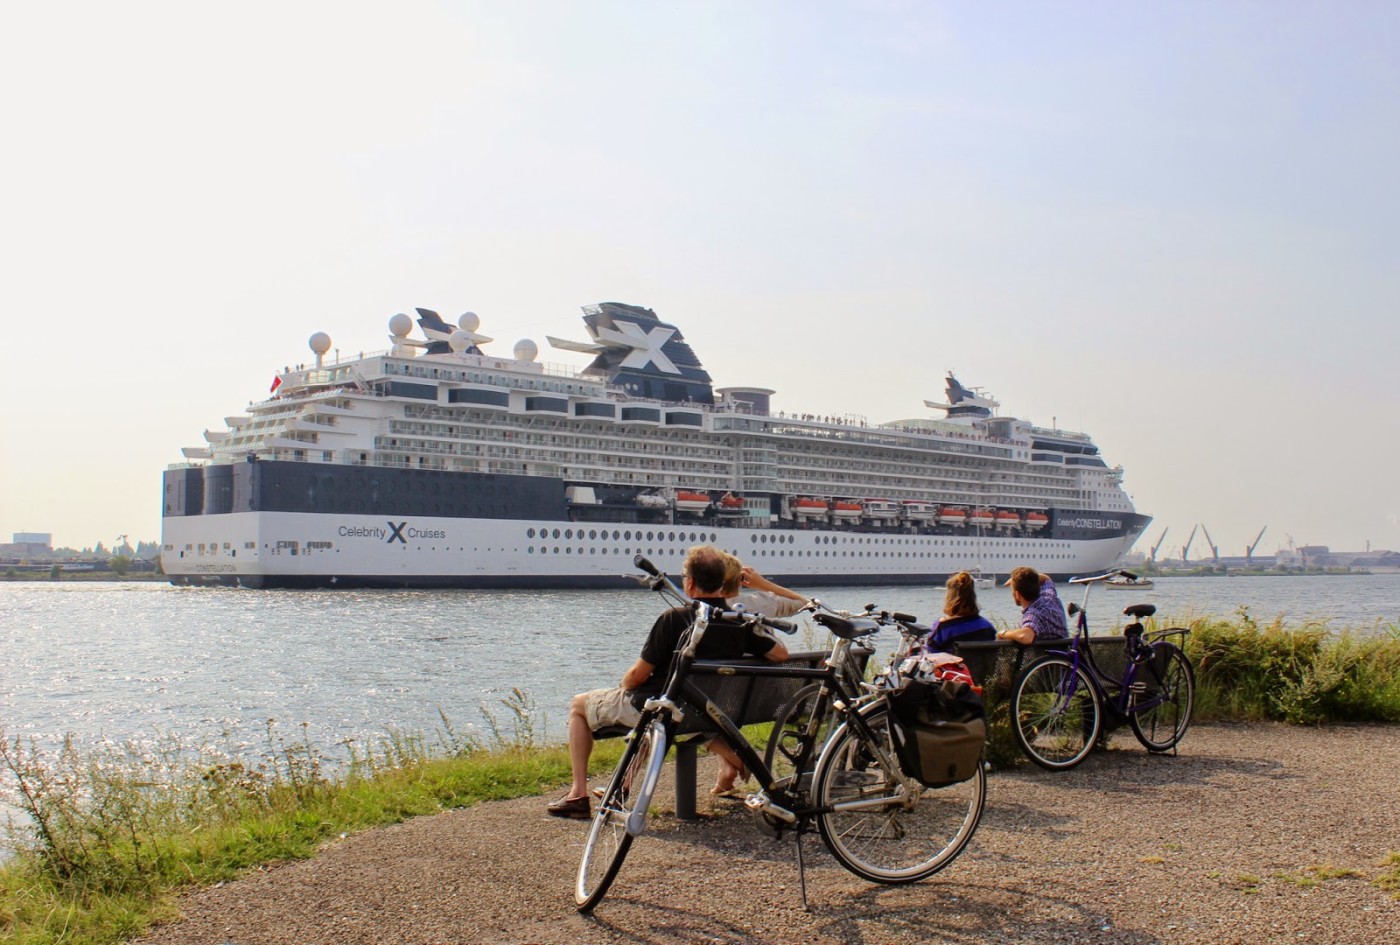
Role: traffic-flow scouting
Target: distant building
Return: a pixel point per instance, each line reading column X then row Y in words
column 27, row 544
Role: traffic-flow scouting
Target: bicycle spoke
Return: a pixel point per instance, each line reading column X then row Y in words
column 903, row 840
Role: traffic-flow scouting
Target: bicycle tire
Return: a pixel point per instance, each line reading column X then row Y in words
column 621, row 814
column 1169, row 678
column 1056, row 729
column 910, row 838
column 792, row 730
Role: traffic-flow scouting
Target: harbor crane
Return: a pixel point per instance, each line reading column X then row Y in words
column 1214, row 551
column 1186, row 548
column 1152, row 554
column 1249, row 549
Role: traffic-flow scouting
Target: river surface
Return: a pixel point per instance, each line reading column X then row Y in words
column 204, row 666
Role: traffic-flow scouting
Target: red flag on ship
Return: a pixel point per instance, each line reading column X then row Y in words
column 276, row 383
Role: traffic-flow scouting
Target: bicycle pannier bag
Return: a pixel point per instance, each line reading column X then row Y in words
column 941, row 732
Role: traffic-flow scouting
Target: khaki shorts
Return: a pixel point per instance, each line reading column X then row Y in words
column 604, row 707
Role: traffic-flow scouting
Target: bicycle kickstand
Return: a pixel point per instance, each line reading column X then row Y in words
column 801, row 871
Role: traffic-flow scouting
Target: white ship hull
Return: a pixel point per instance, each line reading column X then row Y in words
column 275, row 549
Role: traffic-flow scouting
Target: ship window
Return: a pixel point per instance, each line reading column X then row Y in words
column 614, row 535
column 530, row 533
column 530, row 550
column 568, row 533
column 556, row 533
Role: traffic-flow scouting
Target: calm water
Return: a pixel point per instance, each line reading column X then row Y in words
column 133, row 661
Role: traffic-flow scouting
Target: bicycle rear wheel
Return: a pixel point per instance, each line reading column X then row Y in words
column 621, row 814
column 1055, row 713
column 1168, row 692
column 896, row 835
column 794, row 728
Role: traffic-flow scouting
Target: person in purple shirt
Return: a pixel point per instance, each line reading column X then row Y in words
column 1042, row 614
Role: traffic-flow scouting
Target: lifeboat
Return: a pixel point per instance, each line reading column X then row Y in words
column 846, row 510
column 730, row 502
column 917, row 511
column 692, row 501
column 1037, row 520
column 982, row 518
column 880, row 509
column 1007, row 519
column 951, row 516
column 809, row 508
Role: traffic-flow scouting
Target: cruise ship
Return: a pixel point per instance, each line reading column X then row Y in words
column 437, row 464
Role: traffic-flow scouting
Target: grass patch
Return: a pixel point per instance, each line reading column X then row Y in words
column 1389, row 880
column 1304, row 675
column 115, row 832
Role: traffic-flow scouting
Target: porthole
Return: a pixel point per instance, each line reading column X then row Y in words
column 530, row 533
column 569, row 533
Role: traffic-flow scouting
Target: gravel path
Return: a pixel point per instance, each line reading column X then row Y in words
column 1216, row 845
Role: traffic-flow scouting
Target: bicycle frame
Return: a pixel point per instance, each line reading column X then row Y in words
column 681, row 695
column 1081, row 656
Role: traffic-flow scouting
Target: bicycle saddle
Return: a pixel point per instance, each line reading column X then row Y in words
column 846, row 629
column 1140, row 610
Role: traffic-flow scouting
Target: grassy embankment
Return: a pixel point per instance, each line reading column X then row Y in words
column 116, row 831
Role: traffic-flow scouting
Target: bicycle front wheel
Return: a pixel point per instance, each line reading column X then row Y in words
column 621, row 814
column 879, row 828
column 1055, row 713
column 798, row 726
column 1159, row 705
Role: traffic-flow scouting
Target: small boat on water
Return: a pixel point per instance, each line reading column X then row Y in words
column 1128, row 582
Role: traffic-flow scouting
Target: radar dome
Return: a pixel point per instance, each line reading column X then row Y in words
column 400, row 325
column 320, row 342
column 459, row 341
column 526, row 350
column 469, row 321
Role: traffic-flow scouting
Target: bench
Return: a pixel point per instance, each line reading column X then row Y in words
column 747, row 700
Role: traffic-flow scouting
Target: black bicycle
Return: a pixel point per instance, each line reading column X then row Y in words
column 877, row 821
column 1058, row 702
column 802, row 724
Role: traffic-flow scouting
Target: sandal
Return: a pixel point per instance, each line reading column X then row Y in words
column 729, row 792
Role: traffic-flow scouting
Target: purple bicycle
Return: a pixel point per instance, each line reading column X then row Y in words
column 1058, row 703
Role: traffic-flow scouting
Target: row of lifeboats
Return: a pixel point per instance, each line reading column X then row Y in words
column 917, row 511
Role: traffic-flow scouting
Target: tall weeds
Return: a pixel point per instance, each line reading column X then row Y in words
column 108, row 832
column 1304, row 675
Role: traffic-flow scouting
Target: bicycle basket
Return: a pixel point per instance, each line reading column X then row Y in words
column 941, row 732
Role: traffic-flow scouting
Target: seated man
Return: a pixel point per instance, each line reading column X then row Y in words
column 1042, row 614
column 702, row 579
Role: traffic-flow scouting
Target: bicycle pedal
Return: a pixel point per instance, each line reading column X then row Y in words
column 760, row 802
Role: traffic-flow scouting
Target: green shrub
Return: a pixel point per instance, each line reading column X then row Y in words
column 1303, row 675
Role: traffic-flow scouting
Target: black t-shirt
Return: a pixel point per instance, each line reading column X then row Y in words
column 723, row 641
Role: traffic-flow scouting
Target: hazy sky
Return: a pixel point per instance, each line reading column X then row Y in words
column 1172, row 226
